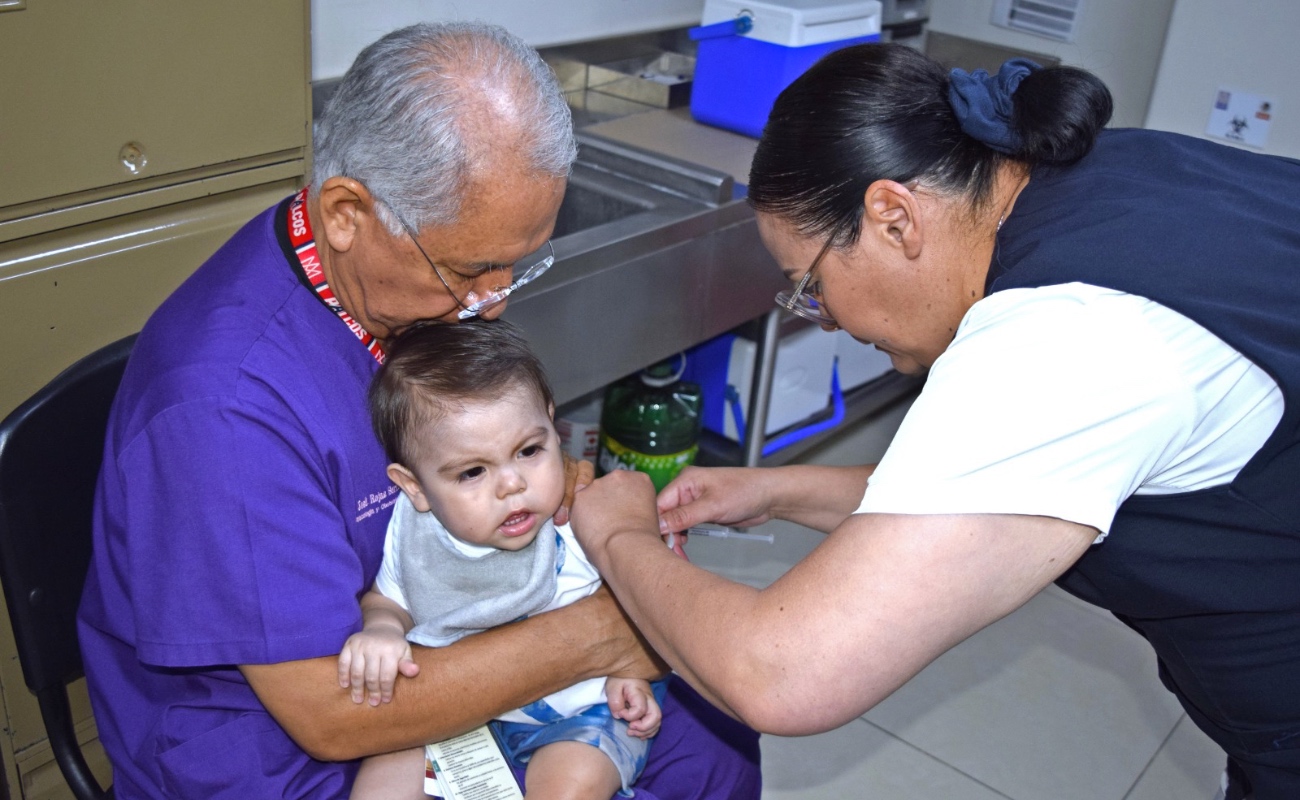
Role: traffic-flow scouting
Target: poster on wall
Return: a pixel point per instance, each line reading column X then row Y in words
column 1241, row 118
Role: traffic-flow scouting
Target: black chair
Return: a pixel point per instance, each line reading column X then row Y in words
column 50, row 451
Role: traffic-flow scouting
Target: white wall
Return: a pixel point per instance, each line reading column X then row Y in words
column 340, row 28
column 1241, row 46
column 1118, row 40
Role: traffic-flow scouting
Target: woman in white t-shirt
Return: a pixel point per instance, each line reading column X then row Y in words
column 1109, row 325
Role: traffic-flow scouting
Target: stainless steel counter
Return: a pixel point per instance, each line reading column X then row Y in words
column 683, row 266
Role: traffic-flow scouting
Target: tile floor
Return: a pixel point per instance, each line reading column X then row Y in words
column 1058, row 701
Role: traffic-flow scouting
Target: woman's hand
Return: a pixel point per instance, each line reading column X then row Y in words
column 727, row 495
column 621, row 502
column 578, row 475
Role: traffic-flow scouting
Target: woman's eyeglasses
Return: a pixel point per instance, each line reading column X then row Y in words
column 803, row 301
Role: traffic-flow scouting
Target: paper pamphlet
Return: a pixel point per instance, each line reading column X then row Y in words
column 469, row 767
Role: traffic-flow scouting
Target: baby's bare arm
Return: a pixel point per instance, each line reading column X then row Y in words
column 372, row 659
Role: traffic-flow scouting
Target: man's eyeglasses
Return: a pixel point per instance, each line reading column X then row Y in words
column 803, row 300
column 528, row 269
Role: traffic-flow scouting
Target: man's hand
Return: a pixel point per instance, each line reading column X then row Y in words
column 629, row 653
column 372, row 659
column 578, row 475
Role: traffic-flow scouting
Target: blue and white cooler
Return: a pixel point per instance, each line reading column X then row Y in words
column 812, row 372
column 749, row 50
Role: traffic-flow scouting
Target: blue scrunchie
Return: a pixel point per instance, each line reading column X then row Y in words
column 983, row 104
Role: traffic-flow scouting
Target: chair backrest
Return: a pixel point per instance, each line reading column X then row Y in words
column 50, row 452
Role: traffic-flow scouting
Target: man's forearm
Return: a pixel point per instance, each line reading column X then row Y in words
column 459, row 687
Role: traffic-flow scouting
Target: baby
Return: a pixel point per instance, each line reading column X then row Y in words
column 464, row 412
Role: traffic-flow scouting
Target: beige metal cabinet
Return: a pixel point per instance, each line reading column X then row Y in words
column 100, row 94
column 135, row 137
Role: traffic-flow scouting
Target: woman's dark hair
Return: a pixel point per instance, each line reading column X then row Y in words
column 881, row 111
column 433, row 364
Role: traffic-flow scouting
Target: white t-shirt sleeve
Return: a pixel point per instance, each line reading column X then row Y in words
column 1055, row 402
column 577, row 577
column 388, row 581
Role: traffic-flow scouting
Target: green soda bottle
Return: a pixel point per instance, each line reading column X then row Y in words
column 650, row 422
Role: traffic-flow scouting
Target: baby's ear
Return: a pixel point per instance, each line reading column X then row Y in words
column 410, row 486
column 550, row 411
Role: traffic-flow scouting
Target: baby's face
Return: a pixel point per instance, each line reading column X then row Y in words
column 491, row 470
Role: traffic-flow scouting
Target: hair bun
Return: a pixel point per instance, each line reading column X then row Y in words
column 1060, row 111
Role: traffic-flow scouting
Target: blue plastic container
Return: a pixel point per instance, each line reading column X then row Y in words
column 706, row 365
column 723, row 410
column 750, row 50
column 737, row 79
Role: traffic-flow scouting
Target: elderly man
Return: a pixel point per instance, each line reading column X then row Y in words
column 243, row 501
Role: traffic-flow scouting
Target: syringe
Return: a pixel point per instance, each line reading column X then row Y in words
column 726, row 532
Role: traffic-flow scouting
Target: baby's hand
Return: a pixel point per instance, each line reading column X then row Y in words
column 633, row 701
column 371, row 660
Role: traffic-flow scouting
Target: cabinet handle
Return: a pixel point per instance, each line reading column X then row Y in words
column 13, row 5
column 133, row 157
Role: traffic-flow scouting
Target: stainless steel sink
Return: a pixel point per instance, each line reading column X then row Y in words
column 586, row 207
column 620, row 189
column 653, row 255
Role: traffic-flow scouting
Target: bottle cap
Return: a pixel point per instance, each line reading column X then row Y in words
column 665, row 372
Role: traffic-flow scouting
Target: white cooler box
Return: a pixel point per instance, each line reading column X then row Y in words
column 858, row 363
column 801, row 387
column 813, row 370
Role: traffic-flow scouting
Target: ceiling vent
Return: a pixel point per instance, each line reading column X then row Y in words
column 1055, row 19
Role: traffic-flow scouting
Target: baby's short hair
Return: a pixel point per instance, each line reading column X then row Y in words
column 434, row 364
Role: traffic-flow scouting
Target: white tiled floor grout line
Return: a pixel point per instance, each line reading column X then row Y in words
column 932, row 757
column 1152, row 760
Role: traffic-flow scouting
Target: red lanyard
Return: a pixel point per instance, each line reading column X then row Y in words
column 304, row 245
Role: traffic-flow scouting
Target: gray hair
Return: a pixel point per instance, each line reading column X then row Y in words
column 400, row 121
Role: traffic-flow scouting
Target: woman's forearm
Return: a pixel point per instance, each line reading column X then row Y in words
column 866, row 610
column 818, row 497
column 666, row 596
